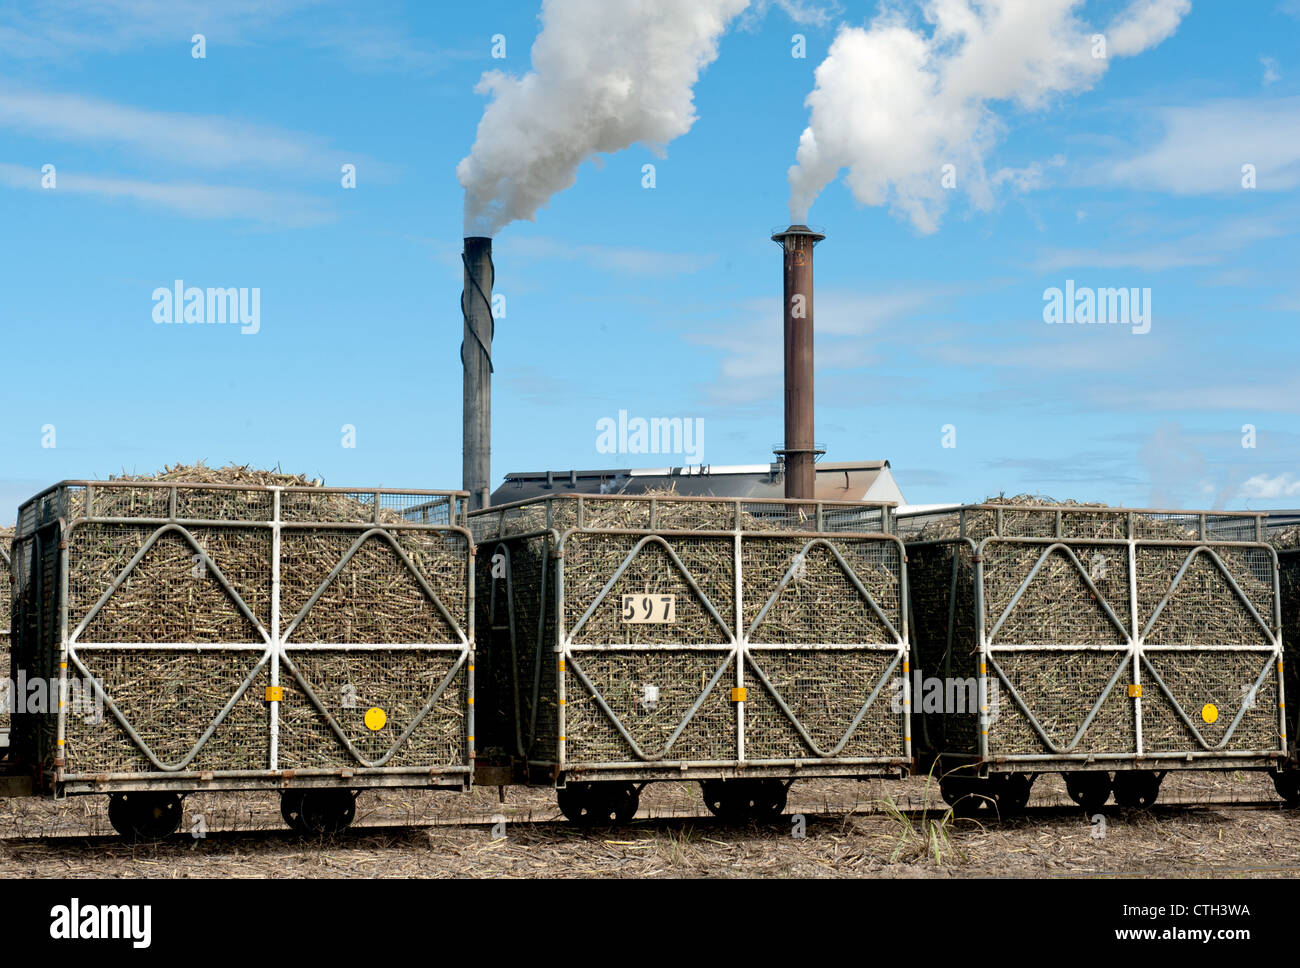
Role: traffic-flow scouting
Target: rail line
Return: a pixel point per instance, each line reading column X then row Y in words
column 646, row 819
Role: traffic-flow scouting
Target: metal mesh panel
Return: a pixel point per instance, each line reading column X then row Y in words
column 1203, row 608
column 349, row 685
column 1059, row 689
column 220, row 504
column 672, row 515
column 375, row 596
column 125, row 501
column 808, row 592
column 169, row 698
column 1056, row 606
column 621, row 678
column 825, row 690
column 1198, row 680
column 170, row 595
column 319, row 505
column 591, row 560
column 1152, row 524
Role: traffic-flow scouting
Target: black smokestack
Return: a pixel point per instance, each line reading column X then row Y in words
column 800, row 451
column 476, row 356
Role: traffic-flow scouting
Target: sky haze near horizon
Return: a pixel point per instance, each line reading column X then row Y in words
column 226, row 171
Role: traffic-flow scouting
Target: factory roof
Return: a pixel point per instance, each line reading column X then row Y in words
column 835, row 481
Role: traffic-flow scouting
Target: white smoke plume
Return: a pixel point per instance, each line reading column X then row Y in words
column 606, row 74
column 894, row 105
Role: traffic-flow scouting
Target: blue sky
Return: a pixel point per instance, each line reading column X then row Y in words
column 664, row 302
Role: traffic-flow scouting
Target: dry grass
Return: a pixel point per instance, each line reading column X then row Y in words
column 849, row 836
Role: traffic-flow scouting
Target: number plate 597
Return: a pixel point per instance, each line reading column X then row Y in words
column 649, row 609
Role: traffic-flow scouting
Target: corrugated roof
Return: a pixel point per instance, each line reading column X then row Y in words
column 843, row 481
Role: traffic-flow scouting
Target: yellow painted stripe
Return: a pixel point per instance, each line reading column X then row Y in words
column 471, row 700
column 471, row 739
column 564, row 702
column 561, row 665
column 561, row 739
column 63, row 665
column 62, row 741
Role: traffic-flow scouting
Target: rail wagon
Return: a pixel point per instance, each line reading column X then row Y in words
column 194, row 637
column 6, row 536
column 1286, row 539
column 1111, row 645
column 741, row 644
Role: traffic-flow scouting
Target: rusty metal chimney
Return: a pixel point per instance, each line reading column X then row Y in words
column 800, row 452
column 476, row 357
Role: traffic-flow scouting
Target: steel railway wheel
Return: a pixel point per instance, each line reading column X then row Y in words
column 591, row 804
column 742, row 801
column 144, row 816
column 1136, row 789
column 1287, row 785
column 318, row 813
column 1003, row 795
column 1090, row 789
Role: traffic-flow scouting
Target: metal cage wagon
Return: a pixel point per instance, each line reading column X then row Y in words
column 740, row 643
column 6, row 612
column 202, row 637
column 1286, row 538
column 1094, row 640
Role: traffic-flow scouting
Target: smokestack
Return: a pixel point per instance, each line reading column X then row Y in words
column 800, row 452
column 476, row 357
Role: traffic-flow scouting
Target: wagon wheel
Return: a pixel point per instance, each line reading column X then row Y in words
column 1136, row 789
column 598, row 803
column 969, row 796
column 741, row 801
column 318, row 813
column 1287, row 785
column 1090, row 789
column 1013, row 791
column 144, row 816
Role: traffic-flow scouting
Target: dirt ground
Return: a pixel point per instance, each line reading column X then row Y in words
column 1205, row 825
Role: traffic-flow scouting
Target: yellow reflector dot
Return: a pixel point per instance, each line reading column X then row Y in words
column 1210, row 712
column 375, row 718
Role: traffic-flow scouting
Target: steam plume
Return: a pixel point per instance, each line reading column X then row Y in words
column 606, row 74
column 894, row 105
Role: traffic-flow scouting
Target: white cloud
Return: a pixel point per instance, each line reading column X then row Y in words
column 1190, row 249
column 1271, row 74
column 191, row 199
column 1203, row 148
column 1263, row 487
column 59, row 31
column 851, row 330
column 208, row 141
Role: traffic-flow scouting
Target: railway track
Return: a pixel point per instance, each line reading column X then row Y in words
column 540, row 819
